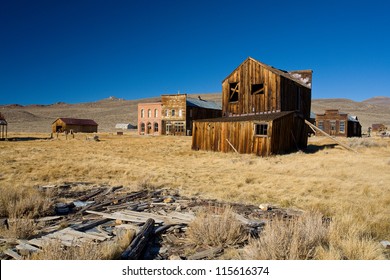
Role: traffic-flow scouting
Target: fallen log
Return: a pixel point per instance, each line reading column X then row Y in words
column 134, row 250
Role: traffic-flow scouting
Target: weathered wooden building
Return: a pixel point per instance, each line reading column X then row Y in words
column 264, row 111
column 74, row 125
column 336, row 123
column 3, row 127
column 378, row 127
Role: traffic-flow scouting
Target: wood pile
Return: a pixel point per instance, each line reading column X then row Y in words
column 160, row 218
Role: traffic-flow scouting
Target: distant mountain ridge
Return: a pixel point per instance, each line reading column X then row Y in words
column 110, row 111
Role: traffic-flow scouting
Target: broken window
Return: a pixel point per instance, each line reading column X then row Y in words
column 233, row 92
column 173, row 113
column 261, row 129
column 149, row 113
column 180, row 113
column 257, row 89
column 155, row 113
column 155, row 127
column 167, row 113
column 298, row 101
column 142, row 113
column 142, row 127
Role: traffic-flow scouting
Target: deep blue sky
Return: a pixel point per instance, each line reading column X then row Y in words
column 87, row 50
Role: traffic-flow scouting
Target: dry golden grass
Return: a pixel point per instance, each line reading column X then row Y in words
column 352, row 188
column 297, row 239
column 216, row 227
column 309, row 237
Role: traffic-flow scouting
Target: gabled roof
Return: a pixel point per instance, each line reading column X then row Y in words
column 258, row 117
column 201, row 103
column 72, row 121
column 299, row 76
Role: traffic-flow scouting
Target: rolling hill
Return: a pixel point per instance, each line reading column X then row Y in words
column 110, row 111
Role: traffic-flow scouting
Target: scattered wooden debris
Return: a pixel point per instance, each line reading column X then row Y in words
column 89, row 213
column 134, row 251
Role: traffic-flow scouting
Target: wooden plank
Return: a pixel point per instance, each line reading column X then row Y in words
column 122, row 217
column 90, row 224
column 13, row 254
column 49, row 218
column 23, row 246
column 80, row 234
column 330, row 137
column 36, row 242
column 136, row 247
column 209, row 254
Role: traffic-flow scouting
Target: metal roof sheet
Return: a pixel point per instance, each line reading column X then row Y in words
column 201, row 103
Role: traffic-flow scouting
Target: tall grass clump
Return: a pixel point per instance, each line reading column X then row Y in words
column 309, row 237
column 216, row 227
column 21, row 206
column 296, row 239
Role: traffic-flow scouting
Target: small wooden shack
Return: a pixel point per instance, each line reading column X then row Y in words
column 74, row 125
column 262, row 135
column 3, row 127
column 263, row 112
column 378, row 127
column 336, row 123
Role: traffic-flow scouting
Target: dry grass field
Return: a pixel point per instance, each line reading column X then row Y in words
column 352, row 189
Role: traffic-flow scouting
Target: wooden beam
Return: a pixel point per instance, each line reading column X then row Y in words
column 136, row 247
column 313, row 127
column 231, row 145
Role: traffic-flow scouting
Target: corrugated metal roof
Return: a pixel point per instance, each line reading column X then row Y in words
column 353, row 118
column 3, row 122
column 258, row 117
column 73, row 121
column 201, row 103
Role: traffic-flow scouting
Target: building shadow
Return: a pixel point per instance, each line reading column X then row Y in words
column 26, row 138
column 312, row 149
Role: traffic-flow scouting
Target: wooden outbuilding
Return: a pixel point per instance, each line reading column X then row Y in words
column 74, row 125
column 264, row 111
column 3, row 127
column 378, row 127
column 336, row 123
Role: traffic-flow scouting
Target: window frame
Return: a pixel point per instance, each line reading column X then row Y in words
column 261, row 129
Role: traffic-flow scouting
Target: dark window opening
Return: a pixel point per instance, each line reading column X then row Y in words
column 257, row 89
column 233, row 92
column 298, row 101
column 261, row 129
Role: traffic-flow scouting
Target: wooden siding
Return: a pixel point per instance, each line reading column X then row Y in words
column 75, row 128
column 197, row 113
column 279, row 94
column 281, row 137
